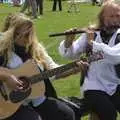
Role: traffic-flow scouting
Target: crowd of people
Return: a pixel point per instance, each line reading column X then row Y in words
column 35, row 7
column 101, row 81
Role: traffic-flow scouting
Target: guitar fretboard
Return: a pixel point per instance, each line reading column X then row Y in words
column 53, row 72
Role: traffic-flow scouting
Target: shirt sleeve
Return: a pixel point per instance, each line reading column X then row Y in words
column 50, row 62
column 76, row 49
column 111, row 54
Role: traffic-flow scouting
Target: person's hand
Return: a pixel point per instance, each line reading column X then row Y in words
column 83, row 65
column 13, row 82
column 90, row 36
column 69, row 38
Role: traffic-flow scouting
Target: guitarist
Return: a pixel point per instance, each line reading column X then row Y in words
column 102, row 82
column 19, row 44
column 24, row 112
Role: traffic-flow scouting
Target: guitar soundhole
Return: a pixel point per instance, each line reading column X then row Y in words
column 19, row 95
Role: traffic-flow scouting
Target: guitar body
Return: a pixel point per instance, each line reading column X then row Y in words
column 33, row 85
column 28, row 69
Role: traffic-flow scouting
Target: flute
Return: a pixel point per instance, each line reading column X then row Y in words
column 72, row 32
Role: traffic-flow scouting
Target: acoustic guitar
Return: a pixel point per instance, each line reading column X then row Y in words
column 34, row 86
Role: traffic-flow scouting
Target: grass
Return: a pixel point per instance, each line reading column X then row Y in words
column 53, row 22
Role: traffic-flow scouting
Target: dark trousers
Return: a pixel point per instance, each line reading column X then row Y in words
column 33, row 5
column 55, row 2
column 30, row 4
column 104, row 105
column 40, row 6
column 26, row 5
column 53, row 109
column 25, row 113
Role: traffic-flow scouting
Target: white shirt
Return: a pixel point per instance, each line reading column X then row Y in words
column 101, row 73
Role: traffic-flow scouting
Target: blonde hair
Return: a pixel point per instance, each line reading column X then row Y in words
column 25, row 26
column 12, row 19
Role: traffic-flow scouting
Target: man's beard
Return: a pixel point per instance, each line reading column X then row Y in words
column 110, row 29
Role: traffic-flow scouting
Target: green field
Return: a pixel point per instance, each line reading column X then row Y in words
column 53, row 22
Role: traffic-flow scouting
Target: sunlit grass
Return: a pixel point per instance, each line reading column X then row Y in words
column 53, row 22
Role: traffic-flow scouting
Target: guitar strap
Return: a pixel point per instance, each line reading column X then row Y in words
column 50, row 90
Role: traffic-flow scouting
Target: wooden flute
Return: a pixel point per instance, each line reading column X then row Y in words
column 72, row 32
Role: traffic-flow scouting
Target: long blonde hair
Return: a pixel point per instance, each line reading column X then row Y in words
column 12, row 19
column 20, row 23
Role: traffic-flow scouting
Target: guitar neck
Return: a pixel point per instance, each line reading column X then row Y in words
column 53, row 72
